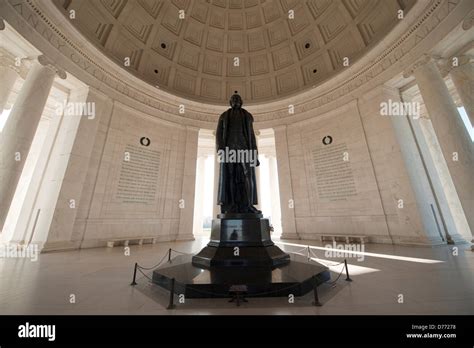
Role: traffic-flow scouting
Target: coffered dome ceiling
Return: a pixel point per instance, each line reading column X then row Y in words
column 222, row 46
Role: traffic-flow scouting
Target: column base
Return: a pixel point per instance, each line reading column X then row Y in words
column 455, row 238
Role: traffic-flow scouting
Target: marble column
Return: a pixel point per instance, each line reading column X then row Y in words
column 259, row 206
column 189, row 185
column 257, row 171
column 428, row 207
column 288, row 222
column 275, row 194
column 463, row 79
column 216, row 209
column 20, row 128
column 199, row 199
column 453, row 137
column 65, row 179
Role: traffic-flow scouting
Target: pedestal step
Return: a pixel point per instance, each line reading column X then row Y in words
column 263, row 256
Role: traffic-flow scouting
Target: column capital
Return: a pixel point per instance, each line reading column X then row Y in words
column 279, row 128
column 456, row 62
column 46, row 62
column 422, row 61
column 453, row 63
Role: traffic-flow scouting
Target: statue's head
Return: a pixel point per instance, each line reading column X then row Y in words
column 236, row 101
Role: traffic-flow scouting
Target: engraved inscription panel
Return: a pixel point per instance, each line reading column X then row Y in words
column 334, row 176
column 138, row 180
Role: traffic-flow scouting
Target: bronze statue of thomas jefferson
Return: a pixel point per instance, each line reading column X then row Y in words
column 240, row 224
column 237, row 157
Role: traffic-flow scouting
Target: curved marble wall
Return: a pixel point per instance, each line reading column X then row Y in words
column 344, row 107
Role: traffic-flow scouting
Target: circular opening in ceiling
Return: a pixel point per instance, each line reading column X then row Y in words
column 315, row 71
column 156, row 71
column 163, row 45
column 307, row 45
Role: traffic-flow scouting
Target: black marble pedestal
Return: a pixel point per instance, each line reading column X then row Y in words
column 240, row 240
column 240, row 254
column 183, row 277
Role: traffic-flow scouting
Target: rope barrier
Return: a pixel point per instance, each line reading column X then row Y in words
column 180, row 252
column 144, row 275
column 344, row 263
column 334, row 265
column 162, row 259
column 295, row 252
column 327, row 265
column 339, row 276
column 149, row 268
column 311, row 251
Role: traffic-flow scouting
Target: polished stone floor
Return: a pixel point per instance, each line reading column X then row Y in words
column 426, row 280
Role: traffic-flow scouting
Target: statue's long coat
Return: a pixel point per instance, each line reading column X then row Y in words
column 223, row 195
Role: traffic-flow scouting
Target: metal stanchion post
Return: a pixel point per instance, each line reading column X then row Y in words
column 171, row 304
column 348, row 279
column 134, row 274
column 169, row 255
column 315, row 291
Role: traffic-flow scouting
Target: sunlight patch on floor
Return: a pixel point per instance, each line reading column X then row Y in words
column 384, row 256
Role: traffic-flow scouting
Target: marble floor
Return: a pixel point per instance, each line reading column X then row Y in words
column 426, row 280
